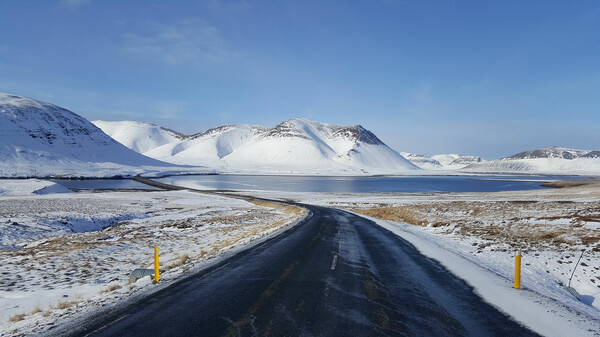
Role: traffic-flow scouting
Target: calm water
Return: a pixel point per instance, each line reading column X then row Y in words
column 93, row 184
column 362, row 184
column 418, row 184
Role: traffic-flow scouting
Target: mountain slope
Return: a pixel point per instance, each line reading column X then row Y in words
column 41, row 139
column 441, row 161
column 149, row 136
column 422, row 161
column 456, row 161
column 548, row 160
column 296, row 146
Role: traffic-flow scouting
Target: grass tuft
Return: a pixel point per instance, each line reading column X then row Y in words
column 65, row 305
column 17, row 318
column 111, row 288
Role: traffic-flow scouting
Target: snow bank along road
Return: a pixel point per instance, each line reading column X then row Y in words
column 334, row 274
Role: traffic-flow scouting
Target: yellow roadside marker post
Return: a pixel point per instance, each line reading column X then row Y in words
column 518, row 270
column 156, row 277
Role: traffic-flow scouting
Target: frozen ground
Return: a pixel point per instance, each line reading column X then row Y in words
column 55, row 267
column 475, row 235
column 66, row 254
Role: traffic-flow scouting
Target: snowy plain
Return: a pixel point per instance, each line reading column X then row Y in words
column 65, row 255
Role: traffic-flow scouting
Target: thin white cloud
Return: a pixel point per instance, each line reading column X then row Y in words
column 187, row 41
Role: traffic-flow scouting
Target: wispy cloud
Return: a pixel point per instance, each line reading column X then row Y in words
column 186, row 41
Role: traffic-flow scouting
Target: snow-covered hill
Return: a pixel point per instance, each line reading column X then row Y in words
column 137, row 136
column 441, row 161
column 456, row 161
column 296, row 146
column 422, row 161
column 548, row 160
column 39, row 139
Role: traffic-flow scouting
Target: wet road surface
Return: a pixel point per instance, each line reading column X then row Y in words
column 335, row 274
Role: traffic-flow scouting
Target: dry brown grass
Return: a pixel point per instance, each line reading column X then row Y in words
column 522, row 223
column 66, row 305
column 35, row 311
column 109, row 289
column 277, row 205
column 264, row 203
column 180, row 261
column 588, row 240
column 398, row 214
column 292, row 210
column 17, row 318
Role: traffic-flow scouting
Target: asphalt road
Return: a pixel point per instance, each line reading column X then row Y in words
column 336, row 274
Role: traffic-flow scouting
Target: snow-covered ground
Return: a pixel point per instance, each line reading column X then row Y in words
column 58, row 263
column 475, row 235
column 68, row 253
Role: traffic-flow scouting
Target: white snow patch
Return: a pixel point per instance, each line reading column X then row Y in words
column 20, row 187
column 545, row 316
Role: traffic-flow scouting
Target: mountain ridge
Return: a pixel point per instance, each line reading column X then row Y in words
column 297, row 145
column 40, row 139
column 546, row 160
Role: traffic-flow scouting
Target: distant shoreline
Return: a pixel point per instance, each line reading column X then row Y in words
column 572, row 183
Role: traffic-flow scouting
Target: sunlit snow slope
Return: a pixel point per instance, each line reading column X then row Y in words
column 548, row 160
column 296, row 146
column 441, row 161
column 39, row 139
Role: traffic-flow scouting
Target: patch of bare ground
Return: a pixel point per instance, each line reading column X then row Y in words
column 505, row 224
column 287, row 209
column 573, row 183
column 408, row 214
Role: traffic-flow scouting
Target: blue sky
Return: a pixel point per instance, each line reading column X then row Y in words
column 488, row 78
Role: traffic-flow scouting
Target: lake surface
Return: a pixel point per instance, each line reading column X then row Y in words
column 408, row 184
column 94, row 184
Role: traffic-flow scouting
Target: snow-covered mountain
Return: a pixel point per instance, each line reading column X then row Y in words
column 422, row 161
column 456, row 161
column 146, row 136
column 441, row 161
column 547, row 160
column 39, row 139
column 296, row 146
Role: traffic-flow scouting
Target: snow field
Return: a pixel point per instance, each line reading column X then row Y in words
column 30, row 186
column 56, row 273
